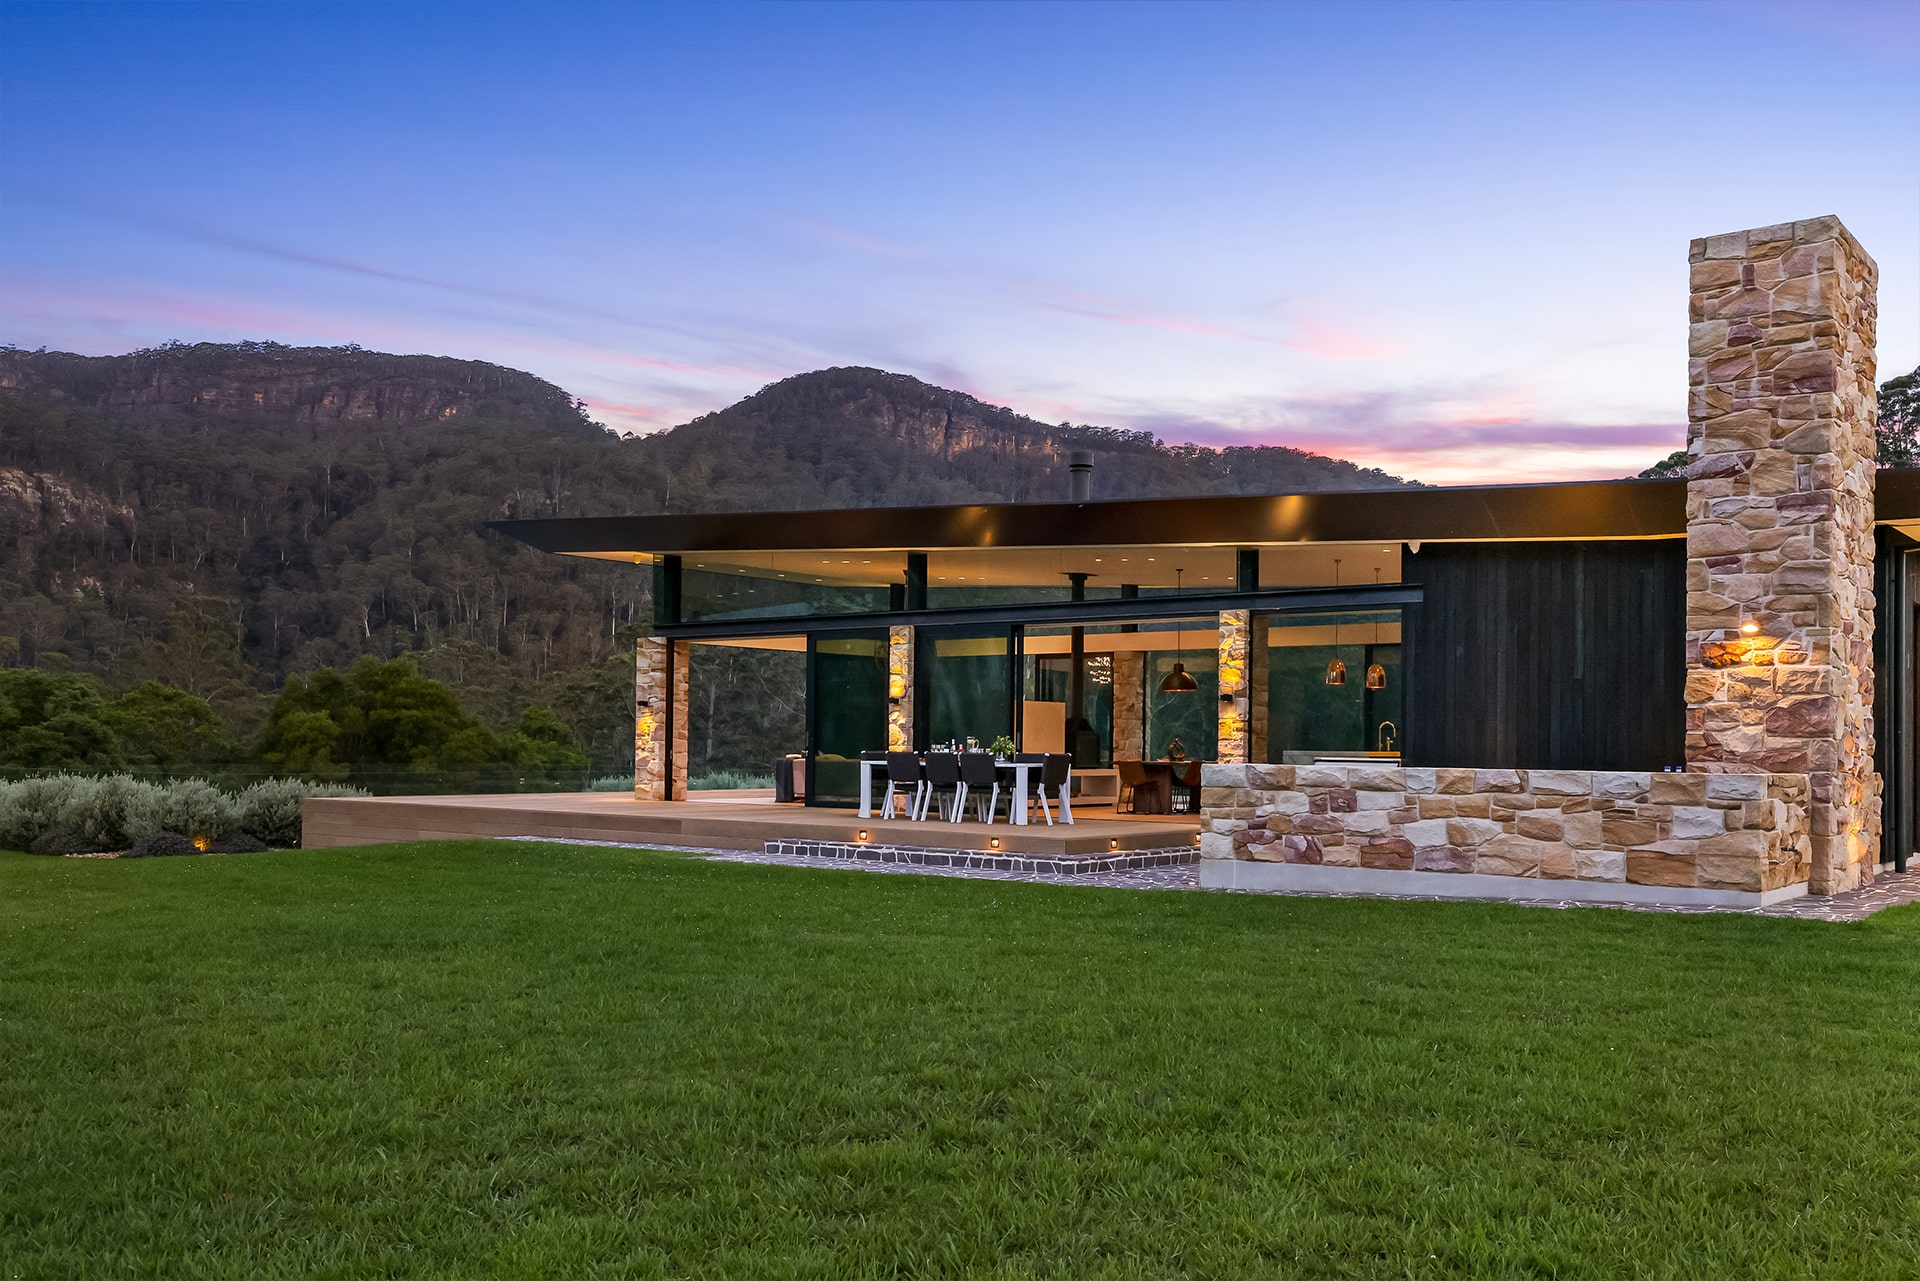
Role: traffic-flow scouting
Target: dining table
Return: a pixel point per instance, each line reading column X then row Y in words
column 1025, row 776
column 1162, row 776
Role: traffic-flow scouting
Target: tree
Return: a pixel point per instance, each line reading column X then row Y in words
column 160, row 727
column 543, row 747
column 52, row 720
column 1897, row 436
column 1673, row 464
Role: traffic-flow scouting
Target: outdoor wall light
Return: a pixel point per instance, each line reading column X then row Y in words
column 646, row 702
column 863, row 834
column 1749, row 628
column 1113, row 843
column 993, row 842
column 1226, row 700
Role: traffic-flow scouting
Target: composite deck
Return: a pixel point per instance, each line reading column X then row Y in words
column 732, row 824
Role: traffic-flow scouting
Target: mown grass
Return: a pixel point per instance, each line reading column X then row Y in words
column 508, row 1059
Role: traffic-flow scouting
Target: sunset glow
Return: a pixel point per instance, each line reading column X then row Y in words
column 1445, row 240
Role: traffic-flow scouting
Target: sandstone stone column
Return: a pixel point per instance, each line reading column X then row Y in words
column 659, row 719
column 1236, row 645
column 1129, row 704
column 900, row 689
column 1781, row 406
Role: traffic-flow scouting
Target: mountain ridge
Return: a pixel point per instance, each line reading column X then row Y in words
column 336, row 501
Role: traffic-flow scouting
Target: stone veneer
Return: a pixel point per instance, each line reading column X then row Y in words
column 1129, row 704
column 1736, row 833
column 657, row 763
column 900, row 689
column 1236, row 643
column 1781, row 405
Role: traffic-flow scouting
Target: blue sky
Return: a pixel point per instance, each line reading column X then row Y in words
column 1449, row 240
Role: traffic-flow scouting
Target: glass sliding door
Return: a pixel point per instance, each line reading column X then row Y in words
column 964, row 680
column 846, row 712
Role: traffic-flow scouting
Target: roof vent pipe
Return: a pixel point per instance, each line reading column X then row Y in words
column 1080, row 475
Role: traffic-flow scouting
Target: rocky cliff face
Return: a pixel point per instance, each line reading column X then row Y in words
column 303, row 384
column 39, row 502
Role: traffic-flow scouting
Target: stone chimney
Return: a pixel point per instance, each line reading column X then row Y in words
column 1781, row 405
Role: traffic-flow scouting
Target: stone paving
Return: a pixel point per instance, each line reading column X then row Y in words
column 1891, row 889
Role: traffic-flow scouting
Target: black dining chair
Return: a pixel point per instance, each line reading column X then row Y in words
column 1189, row 783
column 978, row 771
column 1056, row 777
column 943, row 775
column 903, row 771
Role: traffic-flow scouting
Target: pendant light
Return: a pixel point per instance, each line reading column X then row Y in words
column 1376, row 674
column 1178, row 681
column 1336, row 670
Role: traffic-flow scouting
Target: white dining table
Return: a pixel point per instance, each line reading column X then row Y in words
column 1024, row 780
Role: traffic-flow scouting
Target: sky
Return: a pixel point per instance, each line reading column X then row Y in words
column 1446, row 240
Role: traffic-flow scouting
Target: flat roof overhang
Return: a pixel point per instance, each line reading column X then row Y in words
column 1583, row 510
column 1608, row 509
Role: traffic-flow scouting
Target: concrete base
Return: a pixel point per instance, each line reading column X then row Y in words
column 1309, row 878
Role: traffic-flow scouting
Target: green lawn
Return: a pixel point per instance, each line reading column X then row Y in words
column 508, row 1059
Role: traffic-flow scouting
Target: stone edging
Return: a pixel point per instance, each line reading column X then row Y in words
column 927, row 856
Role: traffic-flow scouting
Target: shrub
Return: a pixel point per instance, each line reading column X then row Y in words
column 270, row 809
column 611, row 783
column 31, row 806
column 162, row 845
column 727, row 780
column 195, row 808
column 111, row 811
column 61, row 839
column 239, row 843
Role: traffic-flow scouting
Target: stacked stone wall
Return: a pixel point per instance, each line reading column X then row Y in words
column 1236, row 690
column 900, row 689
column 1780, row 608
column 1729, row 832
column 659, row 739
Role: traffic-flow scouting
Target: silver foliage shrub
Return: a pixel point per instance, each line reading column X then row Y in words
column 114, row 812
column 194, row 808
column 270, row 809
column 30, row 806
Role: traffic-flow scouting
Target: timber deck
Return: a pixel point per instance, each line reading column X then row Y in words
column 720, row 824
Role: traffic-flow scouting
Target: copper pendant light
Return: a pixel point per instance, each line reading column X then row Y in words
column 1178, row 681
column 1336, row 670
column 1376, row 674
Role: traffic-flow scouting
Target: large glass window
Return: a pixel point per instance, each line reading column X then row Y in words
column 1181, row 722
column 965, row 683
column 746, row 708
column 1050, row 720
column 1307, row 717
column 715, row 591
column 847, row 707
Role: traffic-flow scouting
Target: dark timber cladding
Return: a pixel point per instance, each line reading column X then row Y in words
column 1547, row 655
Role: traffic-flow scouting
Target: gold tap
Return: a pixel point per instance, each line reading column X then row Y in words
column 1385, row 739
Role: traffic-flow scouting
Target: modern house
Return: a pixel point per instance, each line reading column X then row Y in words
column 1664, row 690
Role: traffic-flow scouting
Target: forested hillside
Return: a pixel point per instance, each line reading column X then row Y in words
column 320, row 504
